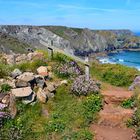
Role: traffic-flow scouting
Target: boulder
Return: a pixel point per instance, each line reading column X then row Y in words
column 16, row 73
column 41, row 96
column 12, row 106
column 22, row 92
column 42, row 70
column 29, row 99
column 19, row 84
column 26, row 77
column 51, row 87
column 6, row 99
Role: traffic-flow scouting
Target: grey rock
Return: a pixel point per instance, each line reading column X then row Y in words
column 50, row 87
column 12, row 106
column 20, row 84
column 26, row 77
column 16, row 73
column 29, row 99
column 40, row 81
column 41, row 96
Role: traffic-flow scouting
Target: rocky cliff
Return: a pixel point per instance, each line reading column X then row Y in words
column 73, row 40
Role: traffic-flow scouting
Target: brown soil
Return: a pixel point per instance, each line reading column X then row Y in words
column 111, row 125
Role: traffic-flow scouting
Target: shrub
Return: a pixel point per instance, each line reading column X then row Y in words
column 4, row 70
column 82, row 134
column 92, row 105
column 129, row 103
column 5, row 88
column 67, row 69
column 81, row 86
column 117, row 75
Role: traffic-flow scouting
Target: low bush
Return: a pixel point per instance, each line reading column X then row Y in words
column 5, row 88
column 114, row 74
column 81, row 86
column 4, row 70
column 92, row 105
column 82, row 134
column 68, row 69
column 129, row 103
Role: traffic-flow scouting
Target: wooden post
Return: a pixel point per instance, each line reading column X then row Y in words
column 50, row 52
column 87, row 68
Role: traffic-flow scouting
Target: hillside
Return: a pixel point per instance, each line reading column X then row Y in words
column 73, row 40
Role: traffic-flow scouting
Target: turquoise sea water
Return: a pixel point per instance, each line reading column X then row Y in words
column 128, row 58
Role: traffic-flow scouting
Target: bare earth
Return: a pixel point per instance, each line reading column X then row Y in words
column 111, row 125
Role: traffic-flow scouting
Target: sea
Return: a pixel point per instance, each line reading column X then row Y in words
column 128, row 58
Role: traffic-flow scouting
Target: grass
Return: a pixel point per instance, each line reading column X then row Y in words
column 117, row 75
column 68, row 118
column 71, row 114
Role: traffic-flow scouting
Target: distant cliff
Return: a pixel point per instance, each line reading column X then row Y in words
column 73, row 40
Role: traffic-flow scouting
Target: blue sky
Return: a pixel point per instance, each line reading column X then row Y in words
column 95, row 14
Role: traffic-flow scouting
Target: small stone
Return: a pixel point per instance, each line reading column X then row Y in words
column 65, row 82
column 51, row 87
column 41, row 96
column 2, row 96
column 6, row 99
column 12, row 106
column 22, row 92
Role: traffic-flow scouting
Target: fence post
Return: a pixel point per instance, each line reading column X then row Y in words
column 50, row 52
column 87, row 68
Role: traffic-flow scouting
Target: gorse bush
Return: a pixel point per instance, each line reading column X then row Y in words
column 92, row 105
column 117, row 75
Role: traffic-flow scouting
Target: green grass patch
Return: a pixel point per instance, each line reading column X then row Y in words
column 117, row 75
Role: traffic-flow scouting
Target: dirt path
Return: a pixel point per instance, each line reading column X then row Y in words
column 111, row 125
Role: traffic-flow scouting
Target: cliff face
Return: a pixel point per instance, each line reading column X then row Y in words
column 73, row 40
